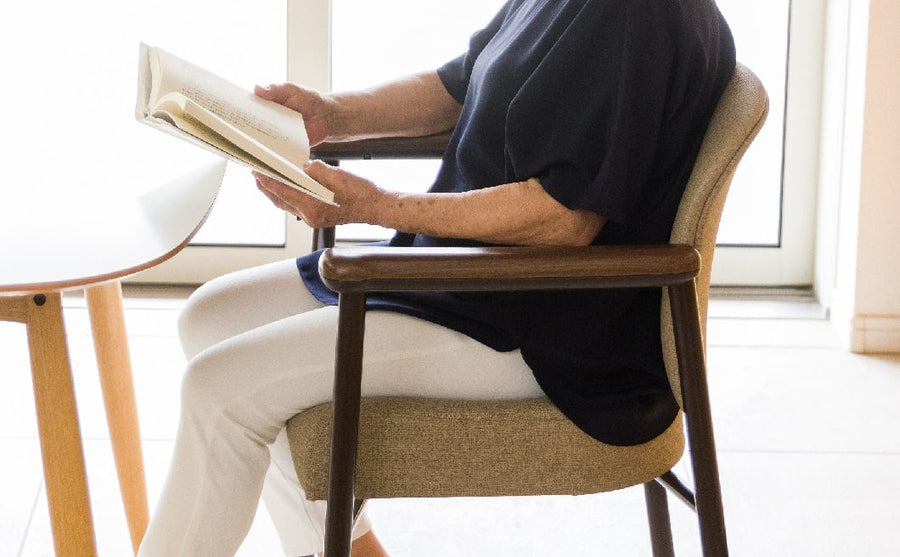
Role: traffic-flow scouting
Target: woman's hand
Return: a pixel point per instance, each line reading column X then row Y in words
column 358, row 200
column 317, row 109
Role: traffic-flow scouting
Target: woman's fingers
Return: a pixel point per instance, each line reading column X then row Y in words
column 314, row 212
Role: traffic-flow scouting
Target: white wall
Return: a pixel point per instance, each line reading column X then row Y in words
column 859, row 235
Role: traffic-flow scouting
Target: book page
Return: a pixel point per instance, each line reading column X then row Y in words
column 209, row 127
column 277, row 127
column 185, row 119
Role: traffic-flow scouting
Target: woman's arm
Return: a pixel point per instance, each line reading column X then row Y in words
column 412, row 106
column 519, row 213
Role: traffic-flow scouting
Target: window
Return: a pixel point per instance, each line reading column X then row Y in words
column 772, row 242
column 753, row 211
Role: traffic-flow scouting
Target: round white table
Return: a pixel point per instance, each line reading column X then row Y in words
column 54, row 239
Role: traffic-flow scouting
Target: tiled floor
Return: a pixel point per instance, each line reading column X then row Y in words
column 807, row 434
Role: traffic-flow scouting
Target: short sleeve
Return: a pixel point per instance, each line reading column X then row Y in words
column 456, row 73
column 589, row 120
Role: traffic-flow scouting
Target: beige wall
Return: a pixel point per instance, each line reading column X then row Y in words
column 859, row 251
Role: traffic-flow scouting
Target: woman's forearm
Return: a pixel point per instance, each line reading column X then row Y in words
column 412, row 106
column 520, row 213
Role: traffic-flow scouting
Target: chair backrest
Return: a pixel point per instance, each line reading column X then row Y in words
column 740, row 114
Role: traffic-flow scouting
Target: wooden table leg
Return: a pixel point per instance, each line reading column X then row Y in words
column 54, row 397
column 114, row 365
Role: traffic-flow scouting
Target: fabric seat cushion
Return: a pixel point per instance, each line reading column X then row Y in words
column 414, row 447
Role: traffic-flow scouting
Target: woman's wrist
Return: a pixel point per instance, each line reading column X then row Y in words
column 348, row 117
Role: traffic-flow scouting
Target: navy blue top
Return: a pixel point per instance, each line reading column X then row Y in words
column 606, row 102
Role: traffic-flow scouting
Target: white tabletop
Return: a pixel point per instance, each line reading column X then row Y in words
column 53, row 237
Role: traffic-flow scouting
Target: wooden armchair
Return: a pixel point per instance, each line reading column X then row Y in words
column 416, row 447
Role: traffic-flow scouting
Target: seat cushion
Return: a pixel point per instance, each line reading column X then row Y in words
column 415, row 447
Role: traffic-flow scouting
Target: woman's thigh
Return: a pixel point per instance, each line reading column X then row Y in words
column 262, row 377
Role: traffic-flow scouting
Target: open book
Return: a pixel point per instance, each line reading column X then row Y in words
column 200, row 107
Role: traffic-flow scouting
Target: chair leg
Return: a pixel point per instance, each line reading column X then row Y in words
column 658, row 517
column 691, row 362
column 710, row 511
column 339, row 515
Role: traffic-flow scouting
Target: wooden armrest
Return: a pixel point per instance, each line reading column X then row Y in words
column 372, row 269
column 428, row 147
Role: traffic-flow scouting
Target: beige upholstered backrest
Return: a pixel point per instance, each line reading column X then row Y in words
column 740, row 114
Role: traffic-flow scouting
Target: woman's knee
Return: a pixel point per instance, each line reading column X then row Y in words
column 200, row 314
column 205, row 386
column 241, row 301
column 217, row 310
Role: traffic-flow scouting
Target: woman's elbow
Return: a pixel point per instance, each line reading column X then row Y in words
column 583, row 228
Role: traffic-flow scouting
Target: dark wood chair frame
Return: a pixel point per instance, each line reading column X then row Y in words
column 355, row 272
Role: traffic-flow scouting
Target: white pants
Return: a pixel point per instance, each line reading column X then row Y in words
column 260, row 349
